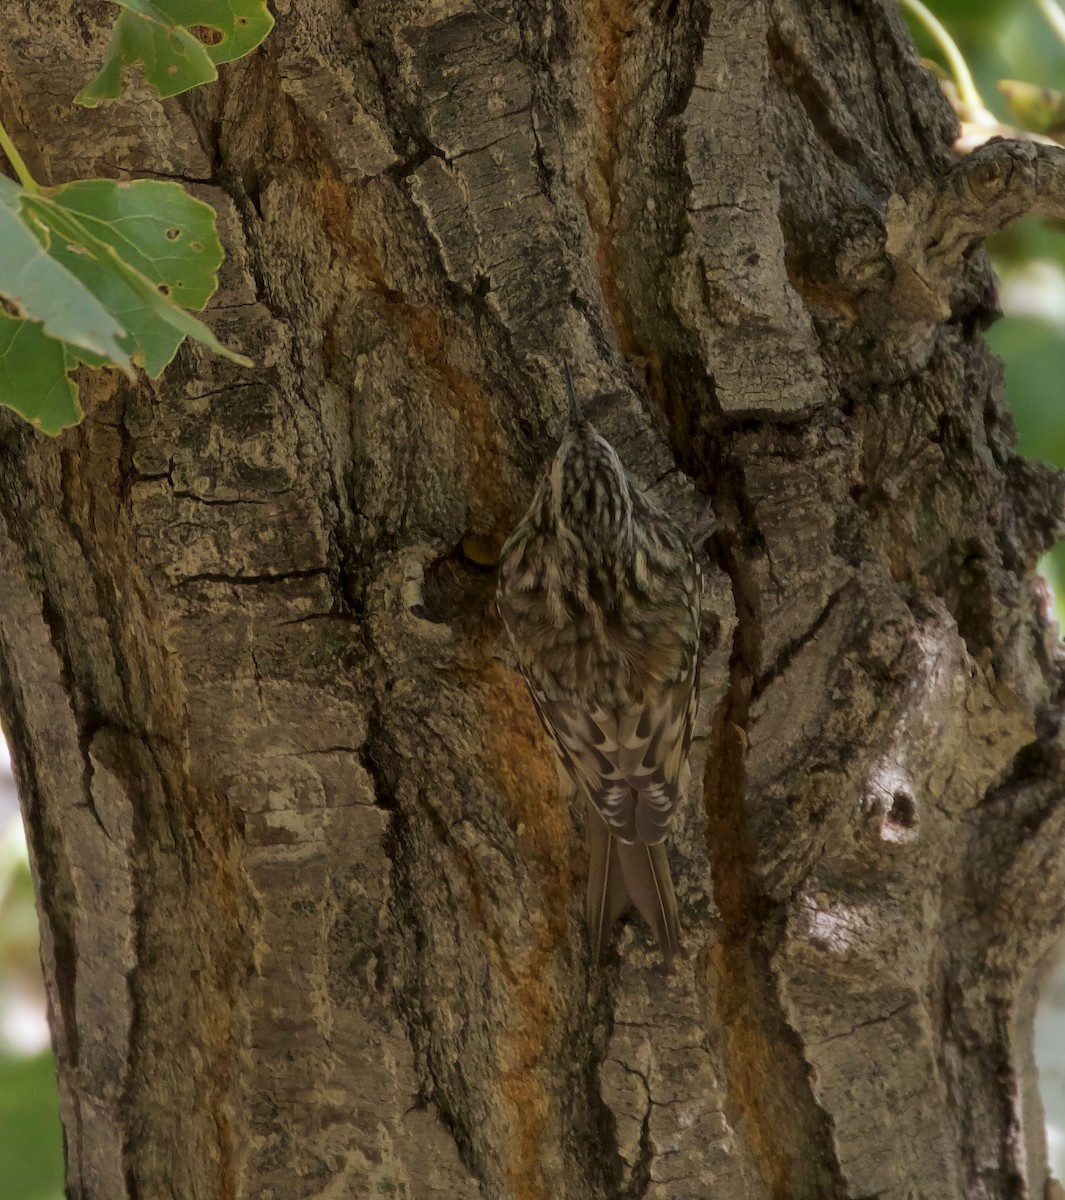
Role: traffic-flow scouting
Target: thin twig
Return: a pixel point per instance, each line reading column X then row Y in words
column 16, row 160
column 959, row 68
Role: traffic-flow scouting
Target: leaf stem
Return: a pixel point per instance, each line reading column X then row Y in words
column 16, row 160
column 959, row 68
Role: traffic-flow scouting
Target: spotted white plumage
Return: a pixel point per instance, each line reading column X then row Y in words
column 599, row 591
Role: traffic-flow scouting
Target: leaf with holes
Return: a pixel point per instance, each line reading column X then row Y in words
column 41, row 289
column 228, row 29
column 135, row 260
column 178, row 42
column 158, row 228
column 33, row 376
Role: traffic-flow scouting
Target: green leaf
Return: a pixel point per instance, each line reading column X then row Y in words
column 179, row 43
column 41, row 289
column 143, row 305
column 228, row 29
column 158, row 228
column 174, row 61
column 33, row 376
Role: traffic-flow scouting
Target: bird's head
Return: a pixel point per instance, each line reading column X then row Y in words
column 589, row 489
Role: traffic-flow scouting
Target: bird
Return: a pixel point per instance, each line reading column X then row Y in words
column 599, row 591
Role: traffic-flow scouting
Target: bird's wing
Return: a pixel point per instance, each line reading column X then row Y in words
column 629, row 761
column 586, row 742
column 654, row 741
column 627, row 755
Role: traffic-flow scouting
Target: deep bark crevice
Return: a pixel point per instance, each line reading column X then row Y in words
column 767, row 1088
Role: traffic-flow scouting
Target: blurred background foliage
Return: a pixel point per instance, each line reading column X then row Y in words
column 31, row 1143
column 998, row 40
column 1016, row 40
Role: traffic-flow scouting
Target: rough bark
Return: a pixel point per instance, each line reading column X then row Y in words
column 310, row 906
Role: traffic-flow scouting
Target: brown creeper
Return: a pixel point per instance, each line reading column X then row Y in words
column 599, row 591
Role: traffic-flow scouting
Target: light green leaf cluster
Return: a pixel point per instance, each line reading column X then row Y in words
column 179, row 43
column 104, row 272
column 101, row 272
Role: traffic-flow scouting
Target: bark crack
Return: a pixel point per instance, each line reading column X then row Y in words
column 796, row 646
column 265, row 577
column 826, row 114
column 756, row 1033
column 406, row 915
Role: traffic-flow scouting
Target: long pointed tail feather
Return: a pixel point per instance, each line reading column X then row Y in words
column 621, row 875
column 645, row 870
column 608, row 897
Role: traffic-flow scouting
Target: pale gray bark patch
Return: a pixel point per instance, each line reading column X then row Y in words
column 751, row 324
column 311, row 902
column 321, row 67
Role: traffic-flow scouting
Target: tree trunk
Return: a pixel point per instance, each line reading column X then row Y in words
column 311, row 906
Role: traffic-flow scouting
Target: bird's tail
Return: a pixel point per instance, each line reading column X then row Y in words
column 621, row 875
